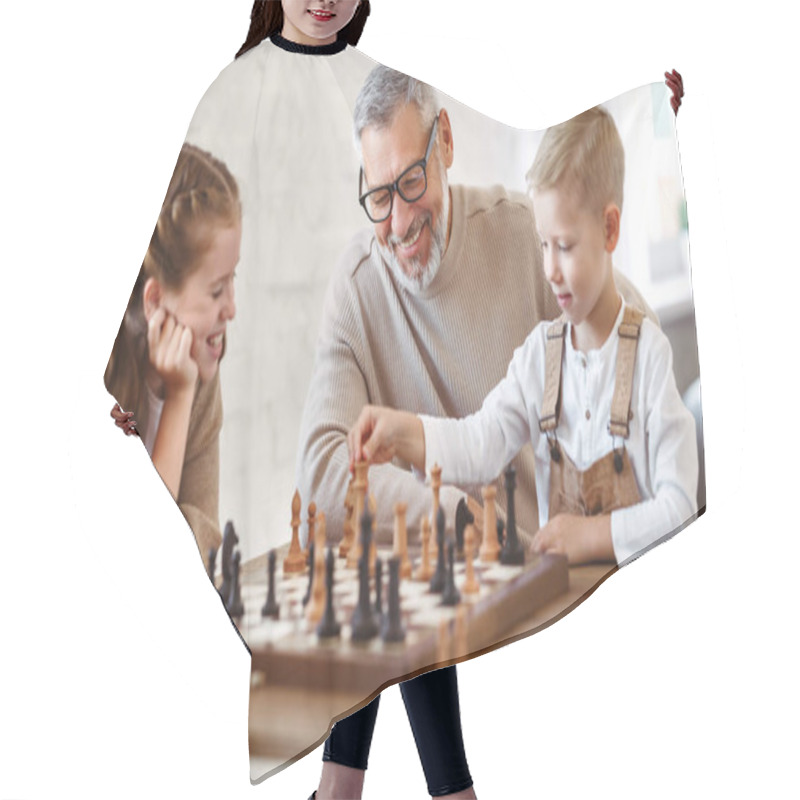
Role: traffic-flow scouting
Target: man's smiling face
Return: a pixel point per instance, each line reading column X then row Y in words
column 414, row 236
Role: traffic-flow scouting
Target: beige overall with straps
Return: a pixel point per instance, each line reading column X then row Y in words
column 609, row 483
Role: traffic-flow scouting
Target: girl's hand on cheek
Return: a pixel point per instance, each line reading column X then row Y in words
column 170, row 346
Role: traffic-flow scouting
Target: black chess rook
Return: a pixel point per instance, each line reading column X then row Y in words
column 363, row 624
column 328, row 627
column 271, row 607
column 392, row 630
column 451, row 596
column 440, row 575
column 512, row 552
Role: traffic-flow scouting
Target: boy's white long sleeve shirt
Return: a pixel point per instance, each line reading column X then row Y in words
column 662, row 445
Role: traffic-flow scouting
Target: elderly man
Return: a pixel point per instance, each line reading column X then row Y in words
column 425, row 308
column 423, row 313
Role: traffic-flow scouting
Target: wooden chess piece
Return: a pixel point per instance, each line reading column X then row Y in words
column 349, row 528
column 436, row 485
column 311, row 565
column 316, row 604
column 212, row 562
column 328, row 627
column 471, row 585
column 295, row 560
column 271, row 607
column 450, row 594
column 234, row 605
column 401, row 539
column 425, row 571
column 363, row 625
column 464, row 517
column 392, row 628
column 359, row 489
column 359, row 494
column 229, row 541
column 490, row 549
column 312, row 511
column 439, row 578
column 513, row 552
column 373, row 548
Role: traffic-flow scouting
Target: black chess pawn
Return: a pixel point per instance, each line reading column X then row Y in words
column 363, row 623
column 212, row 562
column 229, row 541
column 271, row 607
column 310, row 574
column 328, row 627
column 512, row 552
column 235, row 605
column 440, row 575
column 464, row 517
column 451, row 596
column 392, row 628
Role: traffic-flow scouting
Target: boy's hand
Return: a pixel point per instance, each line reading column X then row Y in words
column 380, row 434
column 675, row 83
column 580, row 539
column 124, row 420
column 170, row 347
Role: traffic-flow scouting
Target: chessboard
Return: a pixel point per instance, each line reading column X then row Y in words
column 289, row 652
column 334, row 619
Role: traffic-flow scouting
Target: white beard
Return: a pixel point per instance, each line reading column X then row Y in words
column 421, row 275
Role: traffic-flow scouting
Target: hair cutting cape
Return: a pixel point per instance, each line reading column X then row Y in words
column 282, row 122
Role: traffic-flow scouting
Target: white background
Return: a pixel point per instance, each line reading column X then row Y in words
column 119, row 674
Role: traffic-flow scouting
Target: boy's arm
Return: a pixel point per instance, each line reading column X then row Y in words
column 475, row 449
column 672, row 466
column 580, row 539
column 381, row 434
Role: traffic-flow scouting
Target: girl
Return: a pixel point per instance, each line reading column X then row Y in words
column 288, row 84
column 294, row 42
column 165, row 359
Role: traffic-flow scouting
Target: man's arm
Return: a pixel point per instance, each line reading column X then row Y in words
column 342, row 383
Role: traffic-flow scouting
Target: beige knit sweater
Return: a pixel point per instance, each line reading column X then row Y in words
column 438, row 352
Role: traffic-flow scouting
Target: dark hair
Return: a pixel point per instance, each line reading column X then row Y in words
column 266, row 19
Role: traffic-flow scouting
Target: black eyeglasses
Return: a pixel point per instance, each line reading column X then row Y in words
column 411, row 184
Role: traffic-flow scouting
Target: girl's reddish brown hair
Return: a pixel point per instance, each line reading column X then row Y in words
column 266, row 19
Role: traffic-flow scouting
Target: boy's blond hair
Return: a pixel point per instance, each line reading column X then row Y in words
column 583, row 153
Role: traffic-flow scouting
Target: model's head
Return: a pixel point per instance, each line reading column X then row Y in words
column 406, row 146
column 189, row 266
column 313, row 22
column 576, row 186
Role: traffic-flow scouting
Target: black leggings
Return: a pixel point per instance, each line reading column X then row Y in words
column 432, row 706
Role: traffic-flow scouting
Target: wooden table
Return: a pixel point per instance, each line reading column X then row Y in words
column 306, row 715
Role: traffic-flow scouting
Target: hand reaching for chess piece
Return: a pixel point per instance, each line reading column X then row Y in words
column 380, row 434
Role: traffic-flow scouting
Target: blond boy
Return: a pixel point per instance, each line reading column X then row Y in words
column 593, row 391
